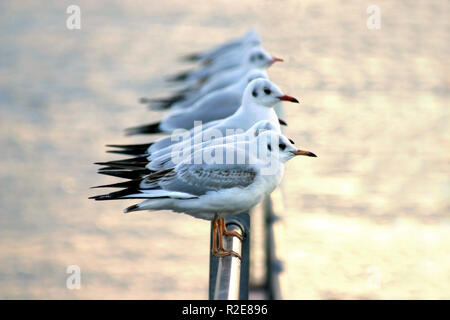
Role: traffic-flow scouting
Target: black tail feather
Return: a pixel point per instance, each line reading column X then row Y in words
column 145, row 129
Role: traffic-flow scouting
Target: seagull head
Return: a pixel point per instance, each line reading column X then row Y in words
column 257, row 57
column 250, row 76
column 252, row 37
column 259, row 127
column 275, row 145
column 264, row 93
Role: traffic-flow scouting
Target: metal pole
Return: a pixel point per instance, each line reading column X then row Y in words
column 229, row 269
column 229, row 276
column 274, row 266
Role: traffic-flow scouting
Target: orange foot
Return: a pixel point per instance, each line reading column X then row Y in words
column 219, row 229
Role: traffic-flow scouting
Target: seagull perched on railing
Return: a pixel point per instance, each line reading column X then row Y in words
column 202, row 73
column 228, row 185
column 223, row 51
column 216, row 105
column 259, row 98
column 256, row 58
column 164, row 159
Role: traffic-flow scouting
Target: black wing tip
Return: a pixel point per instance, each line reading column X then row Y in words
column 192, row 57
column 145, row 129
column 139, row 161
column 132, row 208
column 130, row 149
column 126, row 174
column 179, row 76
column 133, row 189
column 282, row 122
column 100, row 197
column 145, row 100
column 127, row 152
column 162, row 103
column 134, row 183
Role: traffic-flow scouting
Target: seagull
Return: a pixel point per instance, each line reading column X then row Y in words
column 257, row 58
column 259, row 98
column 163, row 159
column 217, row 189
column 202, row 73
column 216, row 105
column 234, row 45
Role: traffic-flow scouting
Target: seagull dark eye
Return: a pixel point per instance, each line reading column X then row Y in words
column 267, row 91
column 254, row 93
column 291, row 141
column 269, row 147
column 260, row 56
column 282, row 146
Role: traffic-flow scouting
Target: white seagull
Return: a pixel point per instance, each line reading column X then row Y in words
column 257, row 58
column 216, row 105
column 213, row 191
column 165, row 159
column 202, row 73
column 259, row 98
column 229, row 47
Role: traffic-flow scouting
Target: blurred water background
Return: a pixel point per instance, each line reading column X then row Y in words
column 369, row 218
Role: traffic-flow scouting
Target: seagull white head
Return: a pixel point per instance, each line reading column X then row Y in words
column 249, row 77
column 265, row 93
column 259, row 127
column 257, row 57
column 275, row 145
column 252, row 37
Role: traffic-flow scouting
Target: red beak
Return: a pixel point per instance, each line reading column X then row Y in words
column 275, row 59
column 288, row 98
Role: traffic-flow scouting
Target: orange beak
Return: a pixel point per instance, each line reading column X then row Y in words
column 304, row 153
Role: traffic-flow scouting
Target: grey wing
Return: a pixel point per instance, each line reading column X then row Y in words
column 212, row 107
column 198, row 179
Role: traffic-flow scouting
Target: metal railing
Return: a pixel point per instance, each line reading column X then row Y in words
column 229, row 276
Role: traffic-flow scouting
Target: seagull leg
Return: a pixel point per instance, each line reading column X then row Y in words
column 214, row 235
column 228, row 232
column 221, row 251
